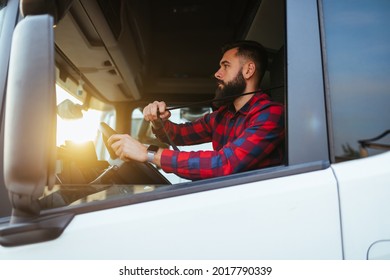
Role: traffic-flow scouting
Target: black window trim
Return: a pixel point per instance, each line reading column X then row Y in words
column 332, row 156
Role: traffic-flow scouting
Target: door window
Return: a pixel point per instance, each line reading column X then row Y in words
column 357, row 42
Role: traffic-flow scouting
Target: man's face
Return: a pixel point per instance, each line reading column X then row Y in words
column 230, row 80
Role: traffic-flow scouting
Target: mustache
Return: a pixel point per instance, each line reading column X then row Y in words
column 220, row 82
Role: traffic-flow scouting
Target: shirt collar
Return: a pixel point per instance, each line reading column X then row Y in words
column 247, row 106
column 255, row 99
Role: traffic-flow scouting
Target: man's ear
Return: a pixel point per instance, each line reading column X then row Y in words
column 249, row 70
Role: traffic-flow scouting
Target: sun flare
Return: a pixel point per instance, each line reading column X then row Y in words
column 78, row 130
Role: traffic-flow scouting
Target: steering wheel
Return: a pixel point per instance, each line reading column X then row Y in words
column 132, row 172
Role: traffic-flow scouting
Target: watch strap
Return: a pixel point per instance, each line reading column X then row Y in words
column 151, row 151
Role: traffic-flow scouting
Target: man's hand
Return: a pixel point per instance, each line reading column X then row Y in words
column 156, row 110
column 127, row 148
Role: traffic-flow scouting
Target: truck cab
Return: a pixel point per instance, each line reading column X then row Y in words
column 68, row 66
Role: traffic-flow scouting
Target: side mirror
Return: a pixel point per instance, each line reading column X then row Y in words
column 30, row 117
column 56, row 8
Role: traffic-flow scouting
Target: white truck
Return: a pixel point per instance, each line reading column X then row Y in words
column 329, row 200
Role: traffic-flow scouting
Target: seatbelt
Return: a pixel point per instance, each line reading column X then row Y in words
column 167, row 135
column 226, row 98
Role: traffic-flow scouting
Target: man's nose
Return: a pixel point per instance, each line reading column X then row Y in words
column 218, row 75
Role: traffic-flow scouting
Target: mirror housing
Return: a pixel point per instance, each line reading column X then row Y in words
column 56, row 8
column 30, row 117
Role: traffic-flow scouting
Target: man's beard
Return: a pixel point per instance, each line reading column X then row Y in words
column 232, row 88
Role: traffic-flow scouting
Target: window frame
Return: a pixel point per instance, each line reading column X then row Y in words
column 306, row 108
column 307, row 139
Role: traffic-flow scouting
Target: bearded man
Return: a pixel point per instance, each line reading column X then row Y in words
column 247, row 132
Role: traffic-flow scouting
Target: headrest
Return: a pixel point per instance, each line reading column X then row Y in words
column 56, row 8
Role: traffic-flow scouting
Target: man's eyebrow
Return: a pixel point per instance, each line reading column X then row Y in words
column 224, row 62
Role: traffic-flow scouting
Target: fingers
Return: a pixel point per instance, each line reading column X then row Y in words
column 127, row 148
column 165, row 115
column 150, row 111
column 114, row 138
column 116, row 143
column 156, row 110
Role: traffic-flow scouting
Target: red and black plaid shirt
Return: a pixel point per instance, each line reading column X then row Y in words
column 249, row 139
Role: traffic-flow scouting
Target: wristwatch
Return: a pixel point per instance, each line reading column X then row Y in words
column 152, row 150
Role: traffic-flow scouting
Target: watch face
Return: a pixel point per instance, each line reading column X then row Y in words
column 153, row 148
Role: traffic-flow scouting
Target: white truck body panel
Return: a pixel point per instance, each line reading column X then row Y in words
column 364, row 202
column 293, row 217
